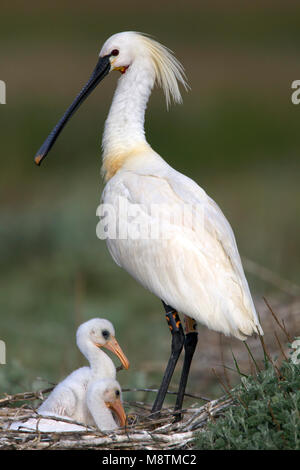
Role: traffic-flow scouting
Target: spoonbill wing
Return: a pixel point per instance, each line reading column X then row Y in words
column 193, row 264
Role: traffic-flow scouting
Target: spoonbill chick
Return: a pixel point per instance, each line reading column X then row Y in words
column 194, row 266
column 104, row 402
column 69, row 397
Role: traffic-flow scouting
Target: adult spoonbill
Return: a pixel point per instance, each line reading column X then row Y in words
column 69, row 397
column 196, row 269
column 104, row 403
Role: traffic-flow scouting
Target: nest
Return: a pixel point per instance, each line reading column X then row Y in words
column 142, row 431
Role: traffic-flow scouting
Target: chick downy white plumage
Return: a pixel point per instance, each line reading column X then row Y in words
column 68, row 398
column 104, row 402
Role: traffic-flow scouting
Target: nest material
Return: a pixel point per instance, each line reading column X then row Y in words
column 141, row 433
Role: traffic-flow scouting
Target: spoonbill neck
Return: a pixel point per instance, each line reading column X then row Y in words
column 124, row 132
column 101, row 413
column 100, row 363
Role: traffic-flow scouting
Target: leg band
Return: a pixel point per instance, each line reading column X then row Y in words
column 173, row 321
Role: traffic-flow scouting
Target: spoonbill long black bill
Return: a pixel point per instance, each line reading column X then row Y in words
column 193, row 265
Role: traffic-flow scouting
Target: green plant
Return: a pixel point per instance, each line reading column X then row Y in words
column 266, row 414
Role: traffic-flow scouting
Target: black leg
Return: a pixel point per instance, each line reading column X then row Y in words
column 190, row 344
column 177, row 345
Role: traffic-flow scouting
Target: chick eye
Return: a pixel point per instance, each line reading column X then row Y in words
column 105, row 334
column 115, row 52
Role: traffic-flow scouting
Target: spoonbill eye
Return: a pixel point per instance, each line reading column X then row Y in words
column 117, row 393
column 115, row 52
column 105, row 334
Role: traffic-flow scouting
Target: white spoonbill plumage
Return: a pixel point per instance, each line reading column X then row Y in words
column 69, row 397
column 103, row 399
column 196, row 269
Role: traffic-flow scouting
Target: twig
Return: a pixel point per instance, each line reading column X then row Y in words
column 23, row 396
column 152, row 434
column 252, row 357
column 223, row 363
column 155, row 390
column 282, row 326
column 272, row 278
column 280, row 346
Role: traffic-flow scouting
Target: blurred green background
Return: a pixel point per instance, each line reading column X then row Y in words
column 236, row 134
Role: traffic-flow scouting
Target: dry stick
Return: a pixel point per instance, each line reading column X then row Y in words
column 231, row 370
column 272, row 278
column 210, row 409
column 155, row 438
column 229, row 392
column 251, row 366
column 139, row 405
column 23, row 396
column 266, row 355
column 236, row 365
column 286, row 331
column 197, row 397
column 252, row 357
column 280, row 346
column 54, row 418
column 226, row 389
column 270, row 359
column 38, row 395
column 223, row 363
column 166, row 415
column 262, row 344
column 277, row 321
